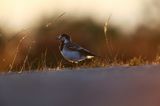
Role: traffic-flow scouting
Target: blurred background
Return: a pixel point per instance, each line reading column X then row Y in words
column 28, row 30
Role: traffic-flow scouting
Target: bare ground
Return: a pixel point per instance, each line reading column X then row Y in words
column 113, row 86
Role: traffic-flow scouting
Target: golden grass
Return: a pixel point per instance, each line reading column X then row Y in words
column 16, row 52
column 107, row 61
column 96, row 62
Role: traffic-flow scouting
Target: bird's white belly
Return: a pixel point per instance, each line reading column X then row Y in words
column 72, row 55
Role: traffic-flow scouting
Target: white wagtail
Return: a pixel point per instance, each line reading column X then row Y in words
column 73, row 52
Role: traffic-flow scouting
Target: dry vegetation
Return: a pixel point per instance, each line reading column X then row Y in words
column 37, row 49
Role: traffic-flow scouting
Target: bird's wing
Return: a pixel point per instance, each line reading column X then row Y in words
column 86, row 52
column 75, row 47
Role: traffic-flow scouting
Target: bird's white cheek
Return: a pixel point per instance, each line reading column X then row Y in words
column 66, row 41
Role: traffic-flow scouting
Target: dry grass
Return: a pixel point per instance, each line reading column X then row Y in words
column 96, row 62
column 111, row 59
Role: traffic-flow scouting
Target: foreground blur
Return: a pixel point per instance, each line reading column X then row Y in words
column 115, row 86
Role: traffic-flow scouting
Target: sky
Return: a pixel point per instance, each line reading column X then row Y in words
column 125, row 14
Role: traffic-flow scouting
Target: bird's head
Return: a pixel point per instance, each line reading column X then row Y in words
column 64, row 38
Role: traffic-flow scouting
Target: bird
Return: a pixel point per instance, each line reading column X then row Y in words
column 71, row 51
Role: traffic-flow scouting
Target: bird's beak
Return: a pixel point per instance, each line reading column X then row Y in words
column 58, row 37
